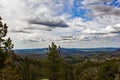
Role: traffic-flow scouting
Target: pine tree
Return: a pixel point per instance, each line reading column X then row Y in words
column 7, row 71
column 3, row 32
column 3, row 29
column 8, row 45
column 54, row 61
column 5, row 44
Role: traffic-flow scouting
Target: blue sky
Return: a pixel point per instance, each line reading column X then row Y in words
column 68, row 23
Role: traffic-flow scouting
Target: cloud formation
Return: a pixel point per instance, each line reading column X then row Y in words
column 102, row 7
column 39, row 21
column 48, row 21
column 19, row 31
column 37, row 27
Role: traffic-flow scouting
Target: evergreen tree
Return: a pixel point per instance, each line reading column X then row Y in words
column 9, row 73
column 107, row 71
column 54, row 62
column 3, row 32
column 8, row 45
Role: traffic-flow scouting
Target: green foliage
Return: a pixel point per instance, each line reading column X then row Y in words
column 3, row 55
column 68, row 72
column 9, row 73
column 107, row 71
column 29, row 69
column 3, row 29
column 54, row 61
column 8, row 45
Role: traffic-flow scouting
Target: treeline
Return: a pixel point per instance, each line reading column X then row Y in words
column 53, row 67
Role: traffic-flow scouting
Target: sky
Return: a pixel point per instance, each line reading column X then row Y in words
column 68, row 23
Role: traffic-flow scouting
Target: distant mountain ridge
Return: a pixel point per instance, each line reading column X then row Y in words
column 67, row 50
column 36, row 50
column 116, row 52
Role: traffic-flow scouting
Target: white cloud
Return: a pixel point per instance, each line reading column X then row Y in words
column 98, row 8
column 51, row 14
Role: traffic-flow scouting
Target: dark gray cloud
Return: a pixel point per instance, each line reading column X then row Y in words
column 106, row 10
column 32, row 40
column 48, row 21
column 93, row 33
column 98, row 8
column 38, row 28
column 67, row 37
column 116, row 30
column 19, row 31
